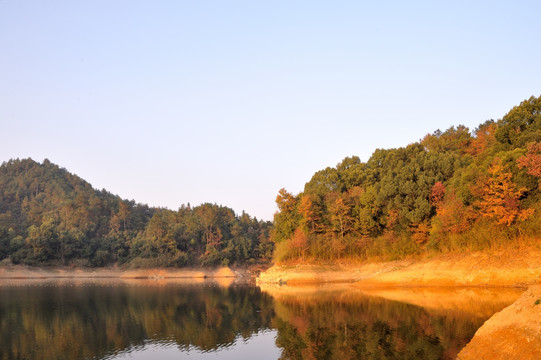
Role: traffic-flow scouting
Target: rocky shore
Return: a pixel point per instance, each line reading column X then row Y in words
column 513, row 333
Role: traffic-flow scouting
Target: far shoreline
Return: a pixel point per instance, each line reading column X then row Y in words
column 22, row 272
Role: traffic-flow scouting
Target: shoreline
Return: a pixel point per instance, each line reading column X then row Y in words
column 496, row 268
column 22, row 272
column 509, row 333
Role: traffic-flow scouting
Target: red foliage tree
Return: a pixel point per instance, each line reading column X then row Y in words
column 437, row 193
column 532, row 160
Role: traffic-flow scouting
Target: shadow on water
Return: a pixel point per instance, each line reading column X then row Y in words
column 109, row 319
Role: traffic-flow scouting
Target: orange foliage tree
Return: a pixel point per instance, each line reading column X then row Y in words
column 285, row 200
column 420, row 232
column 452, row 216
column 309, row 213
column 484, row 138
column 500, row 196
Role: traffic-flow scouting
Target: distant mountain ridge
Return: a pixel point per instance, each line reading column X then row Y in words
column 49, row 216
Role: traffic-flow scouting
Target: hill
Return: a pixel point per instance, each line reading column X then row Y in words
column 49, row 216
column 452, row 190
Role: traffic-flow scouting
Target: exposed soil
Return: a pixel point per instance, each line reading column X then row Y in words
column 513, row 333
column 509, row 267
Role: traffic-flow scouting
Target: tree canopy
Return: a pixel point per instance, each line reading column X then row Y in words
column 452, row 189
column 49, row 216
column 437, row 193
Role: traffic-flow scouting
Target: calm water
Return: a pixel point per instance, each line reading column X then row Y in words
column 174, row 320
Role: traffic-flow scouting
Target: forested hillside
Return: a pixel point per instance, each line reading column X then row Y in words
column 51, row 217
column 452, row 190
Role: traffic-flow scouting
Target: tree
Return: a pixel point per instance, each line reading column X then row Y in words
column 340, row 212
column 532, row 160
column 452, row 140
column 500, row 196
column 309, row 213
column 43, row 241
column 420, row 232
column 51, row 217
column 455, row 217
column 299, row 243
column 287, row 219
column 522, row 124
column 437, row 194
column 285, row 200
column 484, row 138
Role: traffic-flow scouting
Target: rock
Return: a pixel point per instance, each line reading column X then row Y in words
column 513, row 333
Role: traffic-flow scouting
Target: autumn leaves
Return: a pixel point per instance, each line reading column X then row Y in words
column 448, row 191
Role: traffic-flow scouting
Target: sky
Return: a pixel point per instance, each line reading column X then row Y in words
column 227, row 102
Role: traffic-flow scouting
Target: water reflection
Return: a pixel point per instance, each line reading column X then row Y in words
column 113, row 319
column 248, row 349
column 93, row 320
column 341, row 322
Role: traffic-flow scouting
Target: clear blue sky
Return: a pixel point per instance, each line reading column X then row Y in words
column 170, row 102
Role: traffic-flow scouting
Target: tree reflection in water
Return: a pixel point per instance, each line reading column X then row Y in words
column 109, row 319
column 94, row 320
column 341, row 322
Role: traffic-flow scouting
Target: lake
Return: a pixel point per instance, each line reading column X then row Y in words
column 142, row 319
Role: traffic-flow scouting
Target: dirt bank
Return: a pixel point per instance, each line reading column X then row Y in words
column 513, row 333
column 509, row 267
